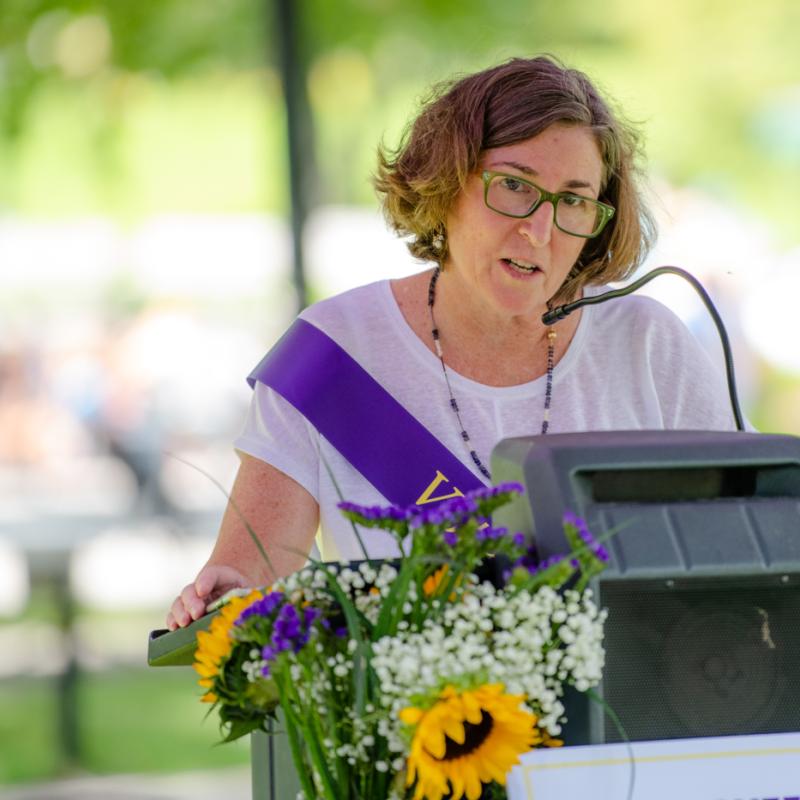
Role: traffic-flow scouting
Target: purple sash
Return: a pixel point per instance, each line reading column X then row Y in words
column 398, row 455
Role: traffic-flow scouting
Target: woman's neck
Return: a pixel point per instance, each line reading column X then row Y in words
column 489, row 348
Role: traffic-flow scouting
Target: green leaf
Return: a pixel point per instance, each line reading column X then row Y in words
column 263, row 694
column 355, row 619
column 241, row 727
column 392, row 606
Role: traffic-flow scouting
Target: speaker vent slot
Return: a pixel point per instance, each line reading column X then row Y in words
column 688, row 483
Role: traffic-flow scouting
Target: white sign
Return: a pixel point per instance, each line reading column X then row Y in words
column 721, row 768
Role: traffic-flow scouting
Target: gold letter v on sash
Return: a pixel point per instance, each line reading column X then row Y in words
column 428, row 495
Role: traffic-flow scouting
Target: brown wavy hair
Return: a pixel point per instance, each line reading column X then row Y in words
column 420, row 180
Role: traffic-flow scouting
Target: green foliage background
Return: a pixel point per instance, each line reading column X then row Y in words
column 186, row 113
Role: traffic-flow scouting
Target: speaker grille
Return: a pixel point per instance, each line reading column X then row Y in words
column 702, row 657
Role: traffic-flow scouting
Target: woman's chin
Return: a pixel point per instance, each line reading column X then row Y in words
column 526, row 296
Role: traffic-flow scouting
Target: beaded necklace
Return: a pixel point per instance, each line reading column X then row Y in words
column 548, row 392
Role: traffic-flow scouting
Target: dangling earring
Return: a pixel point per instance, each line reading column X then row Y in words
column 438, row 246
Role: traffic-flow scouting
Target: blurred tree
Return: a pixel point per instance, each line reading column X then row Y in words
column 42, row 41
column 714, row 82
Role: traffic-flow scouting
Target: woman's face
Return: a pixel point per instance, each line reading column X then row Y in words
column 511, row 267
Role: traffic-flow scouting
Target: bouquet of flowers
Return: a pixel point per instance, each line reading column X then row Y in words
column 413, row 678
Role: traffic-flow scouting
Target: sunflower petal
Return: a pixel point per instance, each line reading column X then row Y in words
column 411, row 715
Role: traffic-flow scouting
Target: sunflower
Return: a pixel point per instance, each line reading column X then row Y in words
column 467, row 739
column 215, row 644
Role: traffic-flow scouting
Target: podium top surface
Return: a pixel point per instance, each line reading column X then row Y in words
column 176, row 648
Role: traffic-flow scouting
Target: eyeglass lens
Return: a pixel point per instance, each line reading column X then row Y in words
column 574, row 214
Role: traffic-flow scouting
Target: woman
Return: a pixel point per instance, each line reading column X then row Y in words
column 519, row 184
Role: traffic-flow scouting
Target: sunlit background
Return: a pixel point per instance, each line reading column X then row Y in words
column 146, row 264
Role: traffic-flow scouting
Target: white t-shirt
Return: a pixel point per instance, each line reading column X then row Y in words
column 631, row 364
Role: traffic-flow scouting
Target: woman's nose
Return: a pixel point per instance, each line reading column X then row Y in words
column 538, row 227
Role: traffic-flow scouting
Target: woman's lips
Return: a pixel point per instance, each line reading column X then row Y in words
column 520, row 268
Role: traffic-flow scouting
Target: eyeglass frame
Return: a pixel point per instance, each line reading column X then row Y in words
column 606, row 210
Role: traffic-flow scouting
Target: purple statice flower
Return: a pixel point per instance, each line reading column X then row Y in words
column 489, row 534
column 290, row 632
column 586, row 536
column 450, row 538
column 530, row 561
column 262, row 608
column 286, row 628
column 339, row 632
column 458, row 509
column 455, row 509
column 508, row 486
column 519, row 539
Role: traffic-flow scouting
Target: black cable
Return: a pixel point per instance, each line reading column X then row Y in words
column 559, row 312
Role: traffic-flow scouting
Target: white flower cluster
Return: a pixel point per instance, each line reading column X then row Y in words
column 356, row 745
column 368, row 586
column 542, row 642
column 254, row 668
column 312, row 583
column 534, row 644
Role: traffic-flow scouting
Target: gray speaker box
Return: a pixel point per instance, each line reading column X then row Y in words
column 703, row 586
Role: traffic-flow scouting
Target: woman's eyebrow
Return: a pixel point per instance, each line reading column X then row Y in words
column 575, row 184
column 516, row 165
column 526, row 170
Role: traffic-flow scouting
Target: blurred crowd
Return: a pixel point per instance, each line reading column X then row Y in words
column 89, row 416
column 93, row 405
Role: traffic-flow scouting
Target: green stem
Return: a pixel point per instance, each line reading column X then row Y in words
column 331, row 731
column 612, row 715
column 303, row 772
column 288, row 700
column 377, row 781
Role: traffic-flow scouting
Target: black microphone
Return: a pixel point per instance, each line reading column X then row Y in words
column 559, row 312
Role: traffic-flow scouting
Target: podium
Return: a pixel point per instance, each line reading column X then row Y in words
column 703, row 585
column 271, row 767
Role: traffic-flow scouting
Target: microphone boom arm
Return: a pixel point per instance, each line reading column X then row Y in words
column 559, row 312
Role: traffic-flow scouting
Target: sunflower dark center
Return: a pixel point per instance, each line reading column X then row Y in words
column 475, row 734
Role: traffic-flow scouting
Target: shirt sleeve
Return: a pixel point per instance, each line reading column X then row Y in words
column 277, row 433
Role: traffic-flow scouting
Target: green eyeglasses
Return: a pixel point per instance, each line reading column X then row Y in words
column 513, row 196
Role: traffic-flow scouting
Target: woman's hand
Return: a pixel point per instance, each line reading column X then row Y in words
column 211, row 583
column 285, row 517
